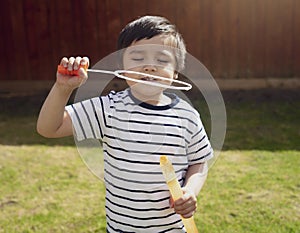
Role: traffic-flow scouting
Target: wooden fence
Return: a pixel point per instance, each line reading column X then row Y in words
column 232, row 38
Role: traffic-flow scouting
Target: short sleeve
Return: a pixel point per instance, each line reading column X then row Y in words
column 87, row 118
column 199, row 149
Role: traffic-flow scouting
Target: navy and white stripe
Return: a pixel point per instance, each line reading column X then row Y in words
column 134, row 136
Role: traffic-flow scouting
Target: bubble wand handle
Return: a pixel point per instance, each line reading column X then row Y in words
column 64, row 70
column 176, row 191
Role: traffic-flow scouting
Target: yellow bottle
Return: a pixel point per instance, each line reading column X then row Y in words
column 176, row 191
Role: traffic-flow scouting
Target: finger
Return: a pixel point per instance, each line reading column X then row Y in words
column 70, row 64
column 180, row 201
column 188, row 204
column 77, row 63
column 64, row 62
column 188, row 215
column 187, row 211
column 85, row 61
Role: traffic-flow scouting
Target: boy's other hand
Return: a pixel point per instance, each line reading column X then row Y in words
column 186, row 205
column 72, row 82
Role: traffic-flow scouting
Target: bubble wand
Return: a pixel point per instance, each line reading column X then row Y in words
column 119, row 73
column 176, row 191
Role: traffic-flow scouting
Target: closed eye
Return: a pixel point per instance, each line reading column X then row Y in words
column 137, row 59
column 163, row 61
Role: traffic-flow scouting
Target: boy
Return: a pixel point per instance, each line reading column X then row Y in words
column 137, row 126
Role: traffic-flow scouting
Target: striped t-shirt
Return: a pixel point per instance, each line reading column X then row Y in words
column 134, row 136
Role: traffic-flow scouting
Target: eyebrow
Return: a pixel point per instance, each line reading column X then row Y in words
column 136, row 51
column 143, row 52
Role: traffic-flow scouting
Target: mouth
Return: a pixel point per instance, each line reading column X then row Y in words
column 149, row 79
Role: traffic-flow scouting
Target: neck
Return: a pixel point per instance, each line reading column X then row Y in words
column 156, row 100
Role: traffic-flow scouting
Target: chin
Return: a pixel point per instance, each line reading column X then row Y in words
column 146, row 90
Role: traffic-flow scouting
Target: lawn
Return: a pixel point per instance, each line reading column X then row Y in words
column 254, row 186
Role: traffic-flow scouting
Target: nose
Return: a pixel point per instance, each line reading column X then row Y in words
column 149, row 68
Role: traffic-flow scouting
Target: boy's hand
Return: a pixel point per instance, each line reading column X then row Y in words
column 186, row 205
column 72, row 82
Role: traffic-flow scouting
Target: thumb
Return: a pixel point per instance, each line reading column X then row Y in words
column 82, row 73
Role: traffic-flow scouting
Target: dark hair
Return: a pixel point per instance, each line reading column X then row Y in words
column 147, row 27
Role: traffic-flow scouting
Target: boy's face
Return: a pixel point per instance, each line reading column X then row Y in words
column 151, row 56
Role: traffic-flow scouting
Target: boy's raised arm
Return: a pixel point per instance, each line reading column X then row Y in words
column 53, row 120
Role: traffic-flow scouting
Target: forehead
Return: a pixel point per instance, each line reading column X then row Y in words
column 158, row 44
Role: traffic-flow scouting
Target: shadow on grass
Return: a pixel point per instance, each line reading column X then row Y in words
column 18, row 116
column 265, row 119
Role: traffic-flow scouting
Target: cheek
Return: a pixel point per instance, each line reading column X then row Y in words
column 169, row 72
column 169, row 68
column 130, row 83
column 131, row 66
column 125, row 64
column 132, row 76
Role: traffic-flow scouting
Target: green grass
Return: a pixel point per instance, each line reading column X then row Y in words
column 254, row 185
column 48, row 189
column 252, row 191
